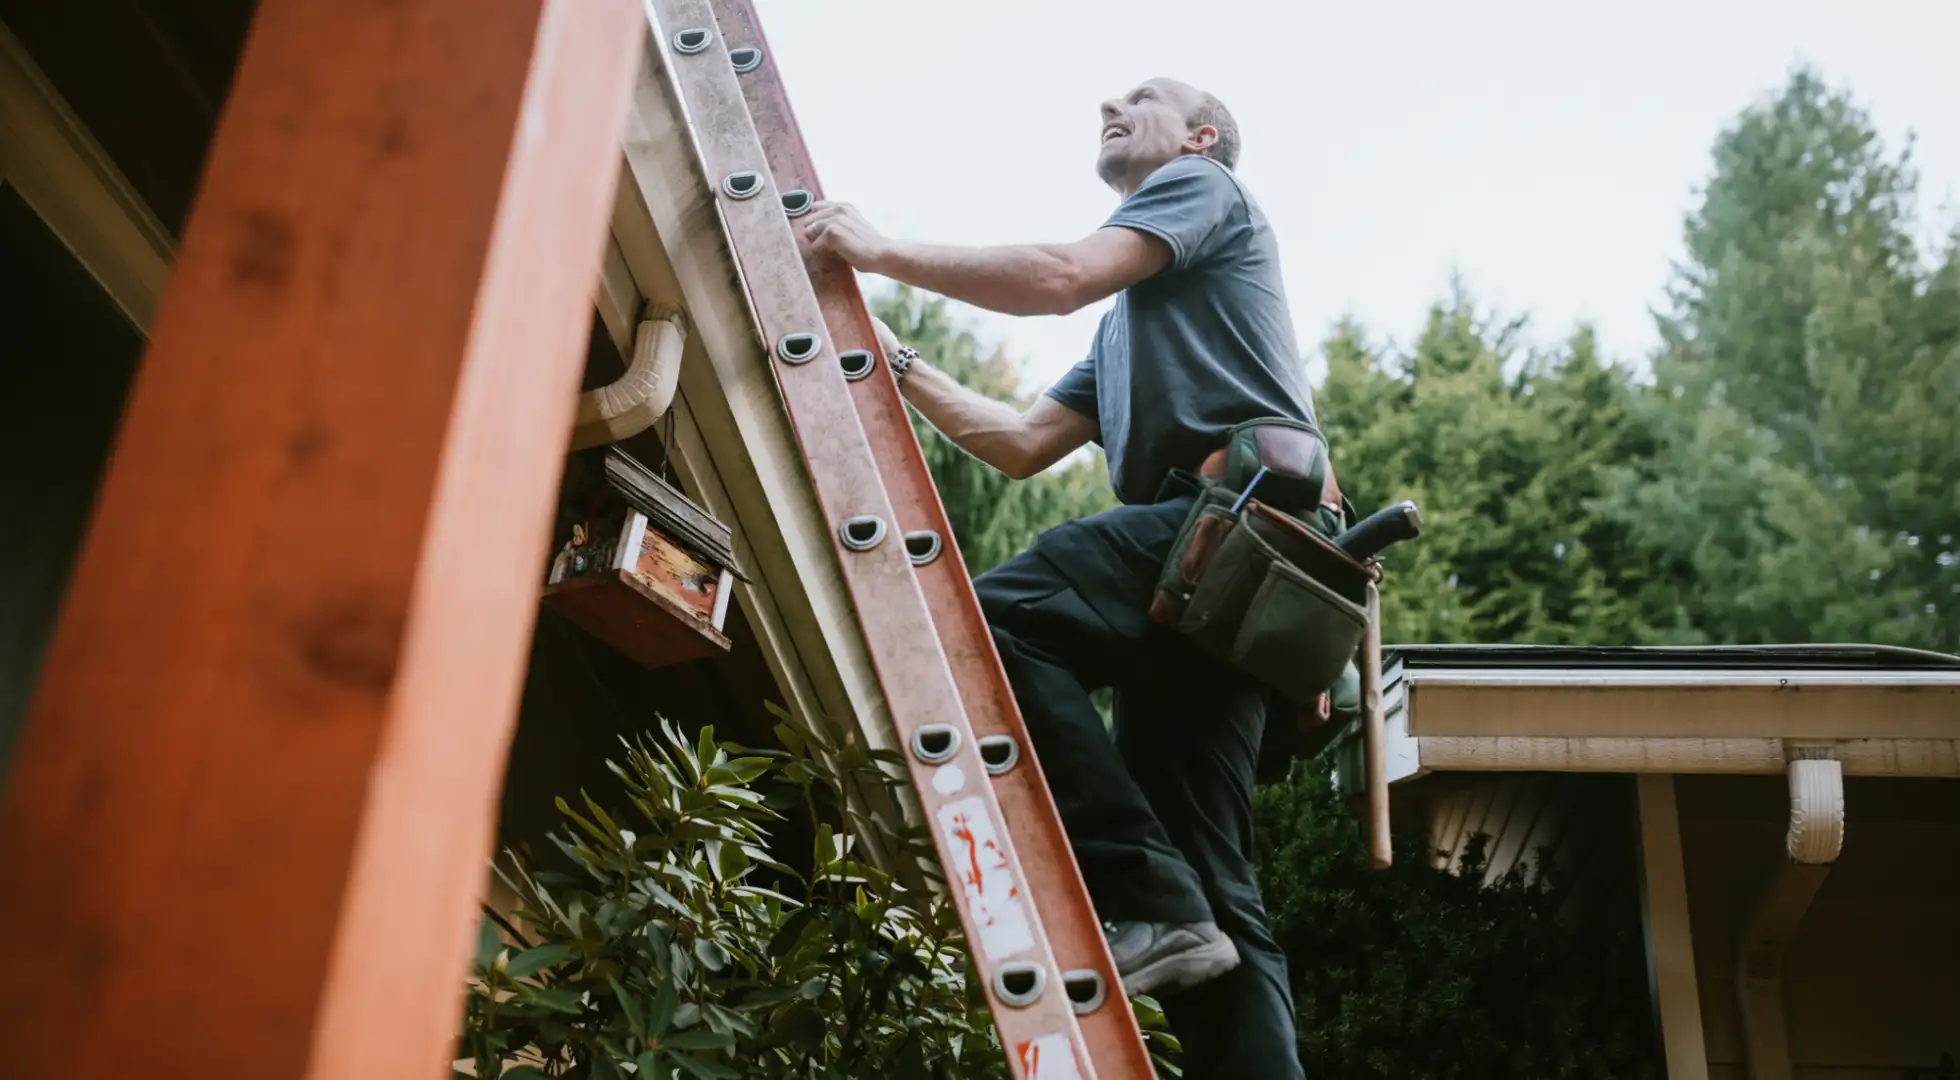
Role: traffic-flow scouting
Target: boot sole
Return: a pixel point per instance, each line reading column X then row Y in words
column 1183, row 970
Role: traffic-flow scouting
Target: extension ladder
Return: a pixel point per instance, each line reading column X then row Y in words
column 1033, row 934
column 1057, row 1001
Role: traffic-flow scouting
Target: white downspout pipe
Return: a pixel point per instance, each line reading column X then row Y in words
column 638, row 399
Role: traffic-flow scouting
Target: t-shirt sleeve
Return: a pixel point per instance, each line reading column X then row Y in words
column 1077, row 389
column 1186, row 204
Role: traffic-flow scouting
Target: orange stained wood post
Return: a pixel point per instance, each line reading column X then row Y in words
column 247, row 825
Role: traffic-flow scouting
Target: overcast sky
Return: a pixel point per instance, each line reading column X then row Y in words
column 1544, row 149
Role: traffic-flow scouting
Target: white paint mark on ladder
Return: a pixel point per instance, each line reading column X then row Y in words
column 979, row 861
column 948, row 779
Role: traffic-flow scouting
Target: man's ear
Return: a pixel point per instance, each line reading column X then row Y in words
column 1201, row 139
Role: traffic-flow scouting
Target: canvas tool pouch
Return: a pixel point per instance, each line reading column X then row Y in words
column 1261, row 588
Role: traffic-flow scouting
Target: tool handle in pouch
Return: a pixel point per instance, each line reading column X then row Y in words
column 1389, row 525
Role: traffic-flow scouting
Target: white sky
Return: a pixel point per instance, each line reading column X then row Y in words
column 1545, row 149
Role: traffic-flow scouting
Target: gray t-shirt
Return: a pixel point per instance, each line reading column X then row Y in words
column 1203, row 345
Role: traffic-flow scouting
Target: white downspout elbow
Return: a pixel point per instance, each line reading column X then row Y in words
column 636, row 400
column 1816, row 833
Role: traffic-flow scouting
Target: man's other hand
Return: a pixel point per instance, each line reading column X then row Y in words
column 840, row 231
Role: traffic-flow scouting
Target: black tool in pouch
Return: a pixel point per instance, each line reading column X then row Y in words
column 1267, row 591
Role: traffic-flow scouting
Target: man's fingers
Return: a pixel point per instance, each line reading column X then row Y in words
column 820, row 226
column 828, row 211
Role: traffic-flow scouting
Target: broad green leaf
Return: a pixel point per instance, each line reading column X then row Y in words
column 488, row 943
column 705, row 1070
column 786, row 935
column 711, row 954
column 732, row 862
column 698, row 1039
column 553, row 998
column 634, row 1020
column 531, row 961
column 741, row 770
column 728, row 1021
column 664, row 1002
column 704, row 750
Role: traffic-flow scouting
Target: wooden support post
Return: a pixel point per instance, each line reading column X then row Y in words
column 248, row 822
column 1374, row 737
column 1664, row 917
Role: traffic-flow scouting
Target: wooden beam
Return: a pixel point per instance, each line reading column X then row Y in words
column 248, row 823
column 1523, row 753
column 68, row 179
column 1664, row 917
column 1895, row 705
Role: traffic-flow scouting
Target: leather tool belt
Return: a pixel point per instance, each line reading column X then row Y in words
column 1253, row 577
column 1291, row 452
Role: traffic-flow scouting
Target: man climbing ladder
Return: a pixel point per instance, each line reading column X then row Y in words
column 1199, row 343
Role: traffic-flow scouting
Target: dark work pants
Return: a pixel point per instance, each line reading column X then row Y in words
column 1160, row 817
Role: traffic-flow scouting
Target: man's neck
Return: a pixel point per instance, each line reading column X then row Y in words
column 1130, row 182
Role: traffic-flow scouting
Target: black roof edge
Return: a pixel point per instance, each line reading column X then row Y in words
column 1686, row 657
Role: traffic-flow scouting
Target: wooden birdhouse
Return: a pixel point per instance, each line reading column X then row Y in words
column 643, row 568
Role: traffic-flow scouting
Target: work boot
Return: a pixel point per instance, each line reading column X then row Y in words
column 1169, row 956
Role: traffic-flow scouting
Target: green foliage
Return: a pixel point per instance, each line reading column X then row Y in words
column 993, row 517
column 1806, row 482
column 1790, row 474
column 1502, row 449
column 681, row 947
column 1415, row 971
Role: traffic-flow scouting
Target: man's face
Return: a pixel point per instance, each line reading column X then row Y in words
column 1143, row 130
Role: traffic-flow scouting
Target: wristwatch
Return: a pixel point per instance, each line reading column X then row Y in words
column 901, row 362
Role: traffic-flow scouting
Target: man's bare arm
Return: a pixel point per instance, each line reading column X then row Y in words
column 1018, row 443
column 1022, row 279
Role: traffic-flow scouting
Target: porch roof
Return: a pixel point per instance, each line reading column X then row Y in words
column 1717, row 709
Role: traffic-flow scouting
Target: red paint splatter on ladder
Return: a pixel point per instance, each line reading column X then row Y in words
column 963, row 831
column 1059, row 1061
column 977, row 859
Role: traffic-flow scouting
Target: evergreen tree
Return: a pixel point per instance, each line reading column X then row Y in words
column 1502, row 450
column 1806, row 484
